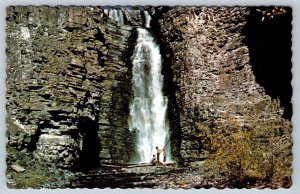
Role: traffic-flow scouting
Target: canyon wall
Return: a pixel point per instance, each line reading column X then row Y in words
column 69, row 81
column 215, row 85
column 68, row 84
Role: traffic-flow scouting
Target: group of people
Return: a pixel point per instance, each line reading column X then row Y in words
column 155, row 159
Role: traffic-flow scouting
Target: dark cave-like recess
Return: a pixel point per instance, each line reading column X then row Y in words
column 269, row 42
column 89, row 155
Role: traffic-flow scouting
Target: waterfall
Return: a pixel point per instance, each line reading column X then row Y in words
column 116, row 15
column 147, row 19
column 148, row 108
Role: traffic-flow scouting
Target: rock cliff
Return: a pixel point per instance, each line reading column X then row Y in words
column 69, row 81
column 68, row 84
column 215, row 83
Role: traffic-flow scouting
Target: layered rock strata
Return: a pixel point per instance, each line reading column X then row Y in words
column 69, row 81
column 214, row 83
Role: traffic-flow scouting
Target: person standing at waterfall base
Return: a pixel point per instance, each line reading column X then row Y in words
column 157, row 154
column 164, row 151
column 153, row 160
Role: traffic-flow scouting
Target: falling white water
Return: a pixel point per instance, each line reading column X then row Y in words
column 147, row 19
column 116, row 15
column 148, row 108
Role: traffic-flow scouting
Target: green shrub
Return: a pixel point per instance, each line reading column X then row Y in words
column 247, row 157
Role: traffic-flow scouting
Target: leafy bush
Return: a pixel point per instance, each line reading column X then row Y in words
column 247, row 157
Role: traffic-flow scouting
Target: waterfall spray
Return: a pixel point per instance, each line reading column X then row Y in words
column 148, row 109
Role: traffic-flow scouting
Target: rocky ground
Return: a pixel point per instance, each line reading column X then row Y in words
column 163, row 177
column 40, row 175
column 23, row 171
column 30, row 173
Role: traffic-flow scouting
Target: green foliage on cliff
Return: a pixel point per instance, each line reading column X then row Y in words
column 37, row 174
column 34, row 174
column 259, row 156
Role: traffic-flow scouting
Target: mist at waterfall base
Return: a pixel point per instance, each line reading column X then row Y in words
column 148, row 106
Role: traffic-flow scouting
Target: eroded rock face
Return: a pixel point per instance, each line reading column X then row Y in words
column 215, row 86
column 69, row 80
column 66, row 64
